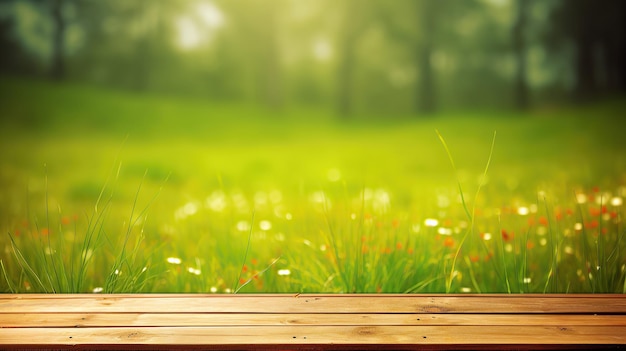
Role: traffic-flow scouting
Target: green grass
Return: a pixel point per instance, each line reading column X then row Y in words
column 122, row 192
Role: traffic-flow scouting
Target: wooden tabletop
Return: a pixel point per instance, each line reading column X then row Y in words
column 311, row 321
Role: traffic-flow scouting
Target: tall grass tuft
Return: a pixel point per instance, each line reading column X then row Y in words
column 63, row 256
column 470, row 214
column 345, row 238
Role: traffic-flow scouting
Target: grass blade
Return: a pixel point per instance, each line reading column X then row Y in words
column 470, row 215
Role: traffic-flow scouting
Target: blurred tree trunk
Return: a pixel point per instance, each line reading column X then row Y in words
column 348, row 33
column 425, row 94
column 598, row 32
column 57, row 68
column 145, row 15
column 344, row 85
column 271, row 77
column 425, row 101
column 616, row 46
column 141, row 56
column 584, row 34
column 519, row 48
column 590, row 27
column 345, row 77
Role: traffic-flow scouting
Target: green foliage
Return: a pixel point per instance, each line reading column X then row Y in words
column 349, row 57
column 338, row 207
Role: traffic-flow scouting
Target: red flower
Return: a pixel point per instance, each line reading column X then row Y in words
column 558, row 215
column 594, row 211
column 395, row 223
column 507, row 236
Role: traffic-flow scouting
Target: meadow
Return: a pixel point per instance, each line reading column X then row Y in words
column 105, row 191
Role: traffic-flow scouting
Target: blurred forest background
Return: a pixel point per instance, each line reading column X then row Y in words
column 351, row 57
column 282, row 122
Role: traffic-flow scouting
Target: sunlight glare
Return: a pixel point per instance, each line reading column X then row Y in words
column 188, row 33
column 174, row 260
column 444, row 231
column 431, row 222
column 243, row 226
column 199, row 27
column 265, row 225
column 194, row 271
column 210, row 14
column 322, row 50
column 616, row 201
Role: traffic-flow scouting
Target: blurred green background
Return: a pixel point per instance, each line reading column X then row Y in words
column 291, row 88
column 184, row 98
column 348, row 57
column 280, row 93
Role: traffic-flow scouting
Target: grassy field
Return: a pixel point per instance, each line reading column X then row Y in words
column 125, row 192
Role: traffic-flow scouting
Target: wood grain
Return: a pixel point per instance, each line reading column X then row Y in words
column 319, row 304
column 70, row 320
column 316, row 321
column 288, row 335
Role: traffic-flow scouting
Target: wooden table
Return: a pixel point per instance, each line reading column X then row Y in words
column 311, row 321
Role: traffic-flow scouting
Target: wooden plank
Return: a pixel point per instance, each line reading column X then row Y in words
column 70, row 320
column 307, row 295
column 318, row 304
column 314, row 335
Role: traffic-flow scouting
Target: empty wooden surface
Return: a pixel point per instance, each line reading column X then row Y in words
column 312, row 321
